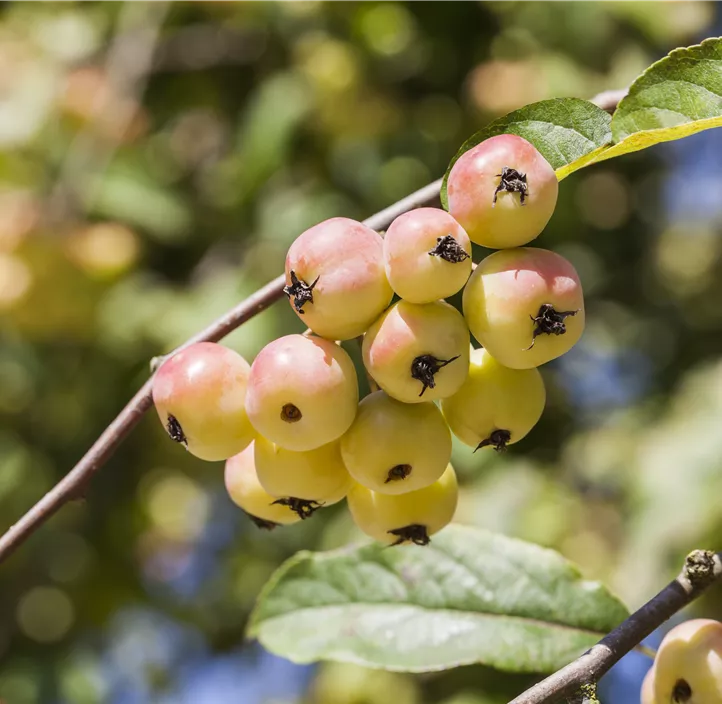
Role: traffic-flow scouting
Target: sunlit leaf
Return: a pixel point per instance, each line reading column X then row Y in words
column 469, row 597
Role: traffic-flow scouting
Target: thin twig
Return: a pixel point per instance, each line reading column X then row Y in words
column 701, row 569
column 73, row 485
column 75, row 482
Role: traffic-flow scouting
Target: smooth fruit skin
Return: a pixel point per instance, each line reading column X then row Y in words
column 407, row 331
column 494, row 398
column 203, row 387
column 507, row 290
column 647, row 693
column 345, row 259
column 316, row 377
column 432, row 507
column 688, row 666
column 246, row 491
column 315, row 475
column 416, row 275
column 474, row 179
column 388, row 434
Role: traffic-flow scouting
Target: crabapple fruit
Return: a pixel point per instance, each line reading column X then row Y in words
column 302, row 481
column 646, row 695
column 200, row 395
column 502, row 192
column 688, row 665
column 418, row 352
column 495, row 406
column 410, row 517
column 246, row 492
column 335, row 278
column 395, row 447
column 302, row 392
column 427, row 255
column 525, row 306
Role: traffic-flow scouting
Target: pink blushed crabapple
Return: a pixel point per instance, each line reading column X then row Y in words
column 495, row 406
column 525, row 306
column 395, row 447
column 427, row 255
column 200, row 395
column 688, row 666
column 302, row 481
column 247, row 493
column 302, row 392
column 418, row 352
column 335, row 278
column 412, row 517
column 502, row 192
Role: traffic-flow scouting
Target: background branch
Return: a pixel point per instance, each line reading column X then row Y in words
column 74, row 483
column 701, row 569
column 127, row 66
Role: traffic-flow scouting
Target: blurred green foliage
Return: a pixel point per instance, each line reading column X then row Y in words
column 140, row 199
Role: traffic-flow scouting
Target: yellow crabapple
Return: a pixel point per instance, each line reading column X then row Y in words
column 302, row 392
column 335, row 278
column 646, row 695
column 303, row 481
column 412, row 517
column 502, row 192
column 496, row 406
column 427, row 255
column 394, row 447
column 200, row 395
column 688, row 665
column 525, row 306
column 418, row 352
column 246, row 492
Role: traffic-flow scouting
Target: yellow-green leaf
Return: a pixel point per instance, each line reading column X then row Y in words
column 469, row 597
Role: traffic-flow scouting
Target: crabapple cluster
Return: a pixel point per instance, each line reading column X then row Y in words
column 290, row 426
column 687, row 668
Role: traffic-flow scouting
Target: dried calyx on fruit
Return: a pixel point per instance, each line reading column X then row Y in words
column 496, row 406
column 405, row 518
column 335, row 278
column 502, row 192
column 418, row 353
column 517, row 297
column 246, row 492
column 299, row 292
column 427, row 255
column 395, row 447
column 200, row 396
column 302, row 392
column 302, row 481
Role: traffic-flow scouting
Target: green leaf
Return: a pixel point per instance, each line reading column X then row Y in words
column 469, row 597
column 567, row 131
column 673, row 98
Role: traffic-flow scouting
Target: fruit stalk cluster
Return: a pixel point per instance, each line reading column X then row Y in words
column 290, row 426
